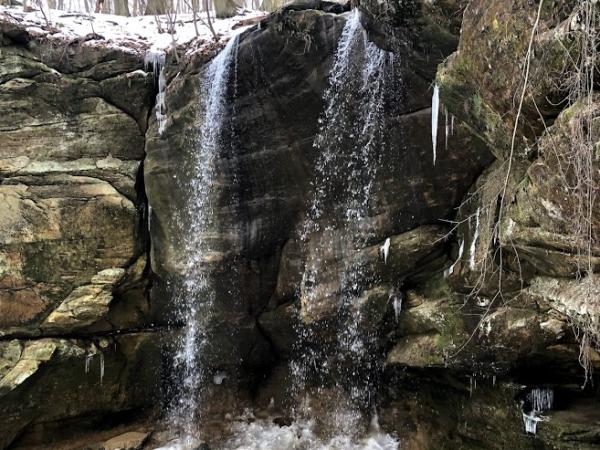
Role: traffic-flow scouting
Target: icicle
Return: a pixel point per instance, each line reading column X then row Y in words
column 541, row 399
column 452, row 125
column 435, row 109
column 101, row 367
column 157, row 59
column 396, row 303
column 474, row 242
column 450, row 270
column 385, row 250
column 88, row 360
column 446, row 128
column 494, row 381
column 161, row 108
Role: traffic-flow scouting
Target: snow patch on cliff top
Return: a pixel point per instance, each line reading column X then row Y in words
column 137, row 34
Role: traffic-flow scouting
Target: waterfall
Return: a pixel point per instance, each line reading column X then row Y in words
column 194, row 295
column 349, row 145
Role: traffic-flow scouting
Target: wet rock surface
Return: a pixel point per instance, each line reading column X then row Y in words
column 462, row 337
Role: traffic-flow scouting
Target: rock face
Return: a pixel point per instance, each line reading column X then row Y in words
column 274, row 103
column 465, row 319
column 72, row 237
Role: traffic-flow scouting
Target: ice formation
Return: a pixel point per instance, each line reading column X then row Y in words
column 540, row 399
column 461, row 249
column 385, row 250
column 435, row 110
column 474, row 241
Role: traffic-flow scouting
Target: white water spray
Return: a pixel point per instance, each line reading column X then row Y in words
column 350, row 143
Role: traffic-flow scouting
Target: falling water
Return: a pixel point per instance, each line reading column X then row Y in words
column 194, row 297
column 349, row 142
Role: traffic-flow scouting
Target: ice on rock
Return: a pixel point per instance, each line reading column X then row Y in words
column 101, row 368
column 446, row 128
column 461, row 249
column 474, row 241
column 88, row 360
column 155, row 59
column 385, row 250
column 540, row 399
column 435, row 110
column 396, row 303
column 531, row 422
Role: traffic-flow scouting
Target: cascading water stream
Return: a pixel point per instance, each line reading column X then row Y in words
column 349, row 143
column 194, row 295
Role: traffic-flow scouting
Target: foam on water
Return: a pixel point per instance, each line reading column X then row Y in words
column 264, row 435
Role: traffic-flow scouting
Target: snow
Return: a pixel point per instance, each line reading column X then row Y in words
column 131, row 34
column 435, row 110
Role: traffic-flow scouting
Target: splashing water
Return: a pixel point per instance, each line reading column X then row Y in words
column 435, row 111
column 301, row 435
column 194, row 295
